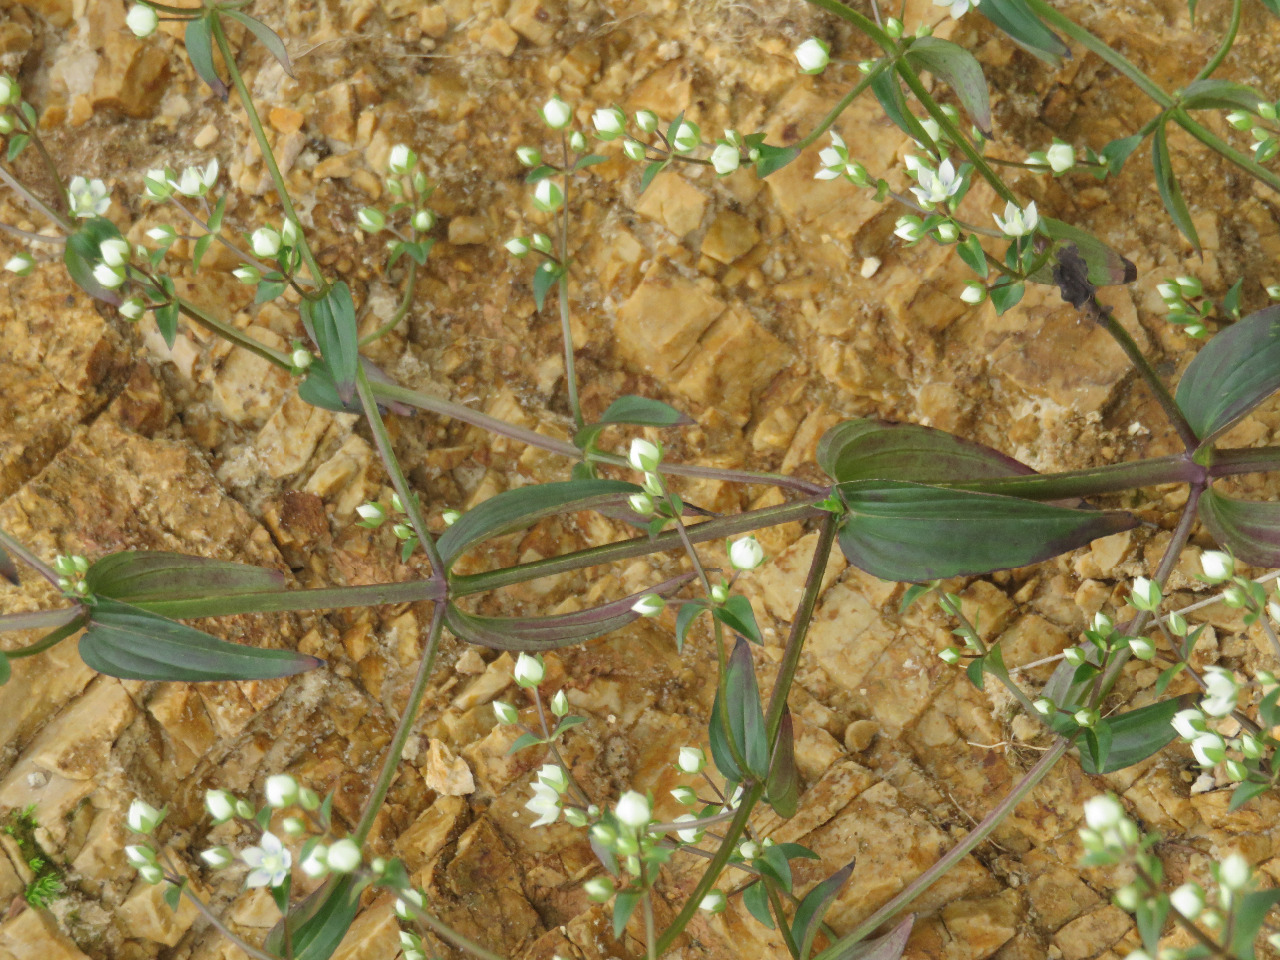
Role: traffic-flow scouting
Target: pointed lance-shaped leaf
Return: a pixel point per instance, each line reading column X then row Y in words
column 333, row 325
column 866, row 449
column 640, row 411
column 746, row 719
column 960, row 70
column 199, row 40
column 1026, row 29
column 1135, row 735
column 1248, row 528
column 266, row 36
column 737, row 615
column 782, row 789
column 318, row 924
column 320, row 390
column 1106, row 267
column 916, row 532
column 1213, row 93
column 888, row 90
column 8, row 569
column 1170, row 192
column 1233, row 373
column 891, row 946
column 1249, row 915
column 807, row 921
column 139, row 576
column 551, row 633
column 130, row 643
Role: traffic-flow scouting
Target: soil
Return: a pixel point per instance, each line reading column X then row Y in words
column 768, row 310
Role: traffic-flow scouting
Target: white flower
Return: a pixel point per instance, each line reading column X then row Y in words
column 1061, row 157
column 133, row 308
column 529, row 156
column 746, row 553
column 813, row 56
column 156, row 184
column 142, row 817
column 690, row 835
column 269, row 861
column 1209, row 748
column 343, row 856
column 372, row 514
column 947, row 232
column 1102, row 625
column 89, row 198
column 265, row 242
column 220, row 804
column 938, row 186
column 195, row 182
column 293, row 826
column 1142, row 648
column 1217, row 566
column 505, row 712
column 142, row 20
column 725, row 159
column 909, row 228
column 1220, row 692
column 642, row 504
column 556, row 114
column 1146, row 595
column 1103, row 812
column 686, row 796
column 691, row 760
column 1234, row 872
column 610, row 123
column 281, row 790
column 649, row 605
column 644, row 456
column 646, row 121
column 1188, row 900
column 20, row 263
column 713, row 902
column 1169, row 292
column 529, row 671
column 719, row 593
column 633, row 150
column 686, row 138
column 10, row 92
column 423, row 220
column 1018, row 222
column 371, row 219
column 973, row 292
column 162, row 233
column 553, row 776
column 110, row 277
column 140, row 855
column 633, row 810
column 958, row 7
column 401, row 160
column 577, row 142
column 950, row 655
column 517, row 247
column 547, row 195
column 1189, row 723
column 540, row 242
column 114, row 251
column 559, row 704
column 247, row 273
column 545, row 803
column 216, row 857
column 152, row 874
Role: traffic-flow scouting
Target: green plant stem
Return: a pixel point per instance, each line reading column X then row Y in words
column 29, row 558
column 1228, row 40
column 952, row 857
column 1001, row 674
column 841, row 106
column 38, row 619
column 255, row 123
column 1092, row 481
column 382, row 440
column 649, row 945
column 228, row 332
column 47, row 642
column 407, row 719
column 217, row 235
column 800, row 627
column 462, row 586
column 323, row 598
column 1217, row 144
column 401, row 311
column 1186, row 923
column 562, row 285
column 50, row 167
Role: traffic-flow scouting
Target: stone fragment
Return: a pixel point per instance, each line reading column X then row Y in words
column 835, row 790
column 374, row 935
column 497, row 676
column 983, row 925
column 33, row 935
column 729, row 237
column 256, row 908
column 287, row 440
column 663, row 318
column 446, row 774
column 131, row 75
column 536, row 20
column 859, row 734
column 732, row 363
column 468, row 230
column 485, row 878
column 674, row 202
column 1094, row 932
column 247, row 387
column 145, row 915
column 500, row 38
column 77, row 742
column 428, row 834
column 781, row 578
column 335, row 109
column 1059, row 896
column 102, row 856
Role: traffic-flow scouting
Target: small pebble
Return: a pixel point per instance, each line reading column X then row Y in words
column 207, row 136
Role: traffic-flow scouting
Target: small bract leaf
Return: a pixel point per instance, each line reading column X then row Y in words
column 772, row 159
column 199, row 40
column 738, row 616
column 1233, row 373
column 1170, row 192
column 333, row 324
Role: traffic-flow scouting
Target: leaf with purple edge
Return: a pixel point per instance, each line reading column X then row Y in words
column 746, row 719
column 960, row 70
column 814, row 906
column 8, row 569
column 1248, row 528
column 737, row 615
column 1233, row 373
column 199, row 42
column 868, row 449
column 782, row 789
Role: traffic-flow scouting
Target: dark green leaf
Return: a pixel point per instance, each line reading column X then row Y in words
column 267, row 291
column 1245, row 792
column 796, row 851
column 772, row 159
column 1115, row 153
column 199, row 39
column 888, row 91
column 1248, row 528
column 1151, row 915
column 814, row 906
column 333, row 323
column 521, row 508
column 266, row 36
column 1006, row 296
column 684, row 620
column 1214, row 94
column 624, row 905
column 1231, row 302
column 524, row 741
column 1273, row 6
column 1135, row 735
column 718, row 737
column 976, row 672
column 319, row 922
column 652, row 170
column 756, row 899
column 915, row 532
column 772, row 862
column 173, row 895
column 419, row 251
column 971, row 253
column 590, row 160
column 1106, row 267
column 645, row 412
column 1232, row 374
column 1025, row 29
column 17, row 143
column 782, row 789
column 912, row 594
column 1250, row 913
column 130, row 643
column 6, row 669
column 1162, row 681
column 1097, row 741
column 544, row 279
column 1170, row 192
column 143, row 576
column 83, row 252
column 167, row 321
column 1268, row 710
column 737, row 615
column 551, row 633
column 8, row 569
column 866, row 449
column 746, row 720
column 540, row 172
column 958, row 68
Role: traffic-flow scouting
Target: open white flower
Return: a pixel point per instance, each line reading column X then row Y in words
column 1221, row 690
column 937, row 186
column 553, row 775
column 195, row 182
column 1018, row 222
column 957, row 8
column 88, row 198
column 545, row 803
column 270, row 862
column 343, row 856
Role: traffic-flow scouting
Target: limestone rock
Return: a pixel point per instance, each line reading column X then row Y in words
column 663, row 318
column 32, row 935
column 674, row 202
column 446, row 774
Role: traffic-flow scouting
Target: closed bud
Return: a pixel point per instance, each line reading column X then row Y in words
column 1045, row 707
column 610, row 123
column 406, row 904
column 633, row 150
column 7, row 124
column 142, row 817
column 308, row 799
column 556, row 114
column 1061, row 157
column 725, row 159
column 1169, row 292
column 114, row 251
column 1273, row 291
column 946, row 232
column 1074, row 656
column 301, row 358
column 133, row 309
column 217, row 857
column 1252, row 746
column 517, row 247
column 748, row 849
column 746, row 553
column 560, row 704
column 1190, row 286
column 893, row 27
column 20, row 263
column 1103, row 812
column 371, row 219
column 646, row 121
column 649, row 605
column 371, row 515
column 554, row 776
column 642, row 504
column 220, row 804
column 244, row 809
column 151, row 874
column 343, row 856
column 547, row 195
column 686, row 796
column 293, row 826
column 1177, row 624
column 139, row 855
column 1087, row 717
column 1142, row 648
column 247, row 274
column 1188, row 900
column 633, row 810
column 1240, row 119
column 529, row 671
column 401, row 160
column 10, row 92
column 142, row 20
column 577, row 142
column 950, row 655
column 598, row 889
column 687, row 137
column 691, row 760
column 540, row 242
column 1266, row 110
column 265, row 242
column 713, row 902
column 505, row 712
column 1234, row 872
column 1129, row 898
column 719, row 593
column 450, row 517
column 813, row 56
column 529, row 156
column 109, row 276
column 575, row 817
column 1146, row 595
column 423, row 220
column 1236, row 771
column 644, row 455
column 281, row 790
column 973, row 292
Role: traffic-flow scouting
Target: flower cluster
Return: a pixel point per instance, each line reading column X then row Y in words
column 1261, row 124
column 1188, row 307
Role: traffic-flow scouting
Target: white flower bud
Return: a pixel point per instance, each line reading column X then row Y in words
column 556, row 114
column 1103, row 812
column 1217, row 565
column 281, row 790
column 559, row 704
column 644, row 455
column 577, row 142
column 142, row 817
column 813, row 56
column 1234, row 872
column 646, row 121
column 713, row 902
column 1221, row 691
column 1188, row 900
column 142, row 20
column 265, row 242
column 293, row 826
column 343, row 856
column 691, row 760
column 746, row 553
column 529, row 156
column 547, row 195
column 247, row 274
column 20, row 263
column 642, row 504
column 1061, row 157
column 423, row 221
column 690, row 835
column 725, row 159
column 686, row 138
column 517, row 247
column 947, row 232
column 10, row 92
column 152, row 874
column 139, row 855
column 505, row 712
column 719, row 593
column 217, row 857
column 685, row 796
column 610, row 123
column 633, row 810
column 909, row 228
column 1146, row 595
column 598, row 889
column 1086, row 717
column 1142, row 648
column 407, row 899
column 950, row 655
column 554, row 776
column 973, row 292
column 1189, row 723
column 371, row 219
column 529, row 671
column 220, row 804
column 133, row 308
column 893, row 27
column 315, row 864
column 633, row 150
column 401, row 160
column 450, row 517
column 1209, row 749
column 109, row 276
column 114, row 251
column 649, row 605
column 1045, row 707
column 540, row 242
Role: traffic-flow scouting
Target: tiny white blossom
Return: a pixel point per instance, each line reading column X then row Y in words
column 88, row 198
column 746, row 553
column 529, row 671
column 689, row 835
column 142, row 817
column 642, row 504
column 691, row 760
column 633, row 150
column 315, row 864
column 114, row 251
column 713, row 902
column 686, row 137
column 265, row 242
column 281, row 790
column 937, row 186
column 1188, row 900
column 1142, row 648
column 1217, row 565
column 139, row 855
column 1061, row 157
column 1189, row 723
column 813, row 56
column 1018, row 222
column 646, row 121
column 1209, row 748
column 20, row 263
column 553, row 775
column 156, row 184
column 649, row 605
column 401, row 160
column 547, row 195
column 1146, row 595
column 151, row 873
column 220, row 804
column 577, row 142
column 247, row 273
column 371, row 219
column 644, row 455
column 556, row 114
column 142, row 20
column 973, row 292
column 958, row 8
column 909, row 228
column 1103, row 812
column 529, row 156
column 195, row 182
column 725, row 159
column 610, row 123
column 269, row 862
column 598, row 889
column 560, row 704
column 505, row 712
column 109, row 276
column 686, row 796
column 545, row 803
column 216, row 857
column 343, row 856
column 633, row 810
column 1221, row 691
column 423, row 220
column 1234, row 872
column 408, row 899
column 133, row 308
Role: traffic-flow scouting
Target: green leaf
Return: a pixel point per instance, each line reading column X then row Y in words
column 83, row 252
column 1025, row 29
column 199, row 250
column 524, row 741
column 144, row 576
column 418, row 252
column 266, row 36
column 916, row 532
column 1134, row 736
column 130, row 643
column 782, row 789
column 1115, row 153
column 624, row 905
column 1245, row 792
column 1231, row 302
column 167, row 321
column 976, row 672
column 6, row 669
column 1232, row 374
column 1268, row 710
column 1214, row 94
column 891, row 946
column 8, row 569
column 888, row 91
column 199, row 39
column 267, row 291
column 959, row 69
column 1097, row 741
column 219, row 211
column 756, row 899
column 737, row 615
column 1106, row 267
column 319, row 922
column 972, row 254
column 684, row 620
column 1006, row 296
column 1273, row 6
column 1249, row 915
column 645, row 412
column 567, row 723
column 553, row 632
column 746, row 720
column 1170, row 192
column 590, row 160
column 808, row 918
column 1151, row 915
column 1166, row 676
column 652, row 170
column 1248, row 528
column 771, row 159
column 544, row 279
column 540, row 172
column 17, row 144
column 521, row 508
column 866, row 449
column 173, row 895
column 333, row 323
